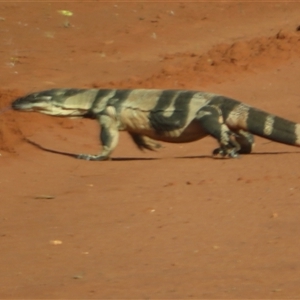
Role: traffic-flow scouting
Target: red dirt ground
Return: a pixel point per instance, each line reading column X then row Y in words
column 172, row 224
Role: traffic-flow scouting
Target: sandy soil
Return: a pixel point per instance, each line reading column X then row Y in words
column 172, row 224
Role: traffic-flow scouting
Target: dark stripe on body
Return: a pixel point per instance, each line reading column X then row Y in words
column 164, row 101
column 99, row 96
column 226, row 105
column 283, row 131
column 118, row 98
column 178, row 118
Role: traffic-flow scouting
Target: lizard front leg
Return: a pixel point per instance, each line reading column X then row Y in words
column 109, row 138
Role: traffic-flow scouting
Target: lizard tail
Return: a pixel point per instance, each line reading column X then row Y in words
column 264, row 124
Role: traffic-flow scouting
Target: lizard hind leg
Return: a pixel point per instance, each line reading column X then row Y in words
column 229, row 147
column 211, row 120
column 143, row 142
column 245, row 140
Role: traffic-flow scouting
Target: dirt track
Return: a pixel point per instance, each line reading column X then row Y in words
column 171, row 224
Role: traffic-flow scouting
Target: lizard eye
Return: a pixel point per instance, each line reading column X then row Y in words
column 46, row 98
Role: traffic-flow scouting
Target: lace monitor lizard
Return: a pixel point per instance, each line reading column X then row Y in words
column 174, row 116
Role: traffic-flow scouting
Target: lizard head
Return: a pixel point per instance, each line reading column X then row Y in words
column 56, row 102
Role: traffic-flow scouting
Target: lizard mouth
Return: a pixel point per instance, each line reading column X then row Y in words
column 47, row 109
column 21, row 106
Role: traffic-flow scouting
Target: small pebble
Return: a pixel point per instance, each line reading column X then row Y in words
column 44, row 197
column 55, row 242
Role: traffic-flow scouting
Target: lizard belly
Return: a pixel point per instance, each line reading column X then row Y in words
column 190, row 133
column 137, row 121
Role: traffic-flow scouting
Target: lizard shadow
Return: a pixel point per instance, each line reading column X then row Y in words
column 241, row 155
column 274, row 153
column 74, row 155
column 200, row 156
column 153, row 158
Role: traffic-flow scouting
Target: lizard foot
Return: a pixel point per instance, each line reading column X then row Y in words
column 91, row 157
column 225, row 152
